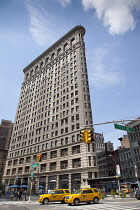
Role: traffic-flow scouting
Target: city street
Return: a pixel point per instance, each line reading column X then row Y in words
column 106, row 204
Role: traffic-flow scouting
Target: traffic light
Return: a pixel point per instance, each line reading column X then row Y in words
column 38, row 158
column 82, row 136
column 86, row 136
column 89, row 136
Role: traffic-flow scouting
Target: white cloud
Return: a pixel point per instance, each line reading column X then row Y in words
column 116, row 14
column 41, row 23
column 105, row 72
column 64, row 3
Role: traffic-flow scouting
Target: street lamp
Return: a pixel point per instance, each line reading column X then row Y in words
column 116, row 170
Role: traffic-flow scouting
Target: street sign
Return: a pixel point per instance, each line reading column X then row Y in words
column 124, row 128
column 35, row 165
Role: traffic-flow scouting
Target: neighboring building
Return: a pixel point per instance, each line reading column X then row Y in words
column 126, row 165
column 112, row 162
column 124, row 141
column 5, row 136
column 134, row 139
column 99, row 142
column 109, row 146
column 102, row 163
column 107, row 164
column 107, row 161
column 54, row 106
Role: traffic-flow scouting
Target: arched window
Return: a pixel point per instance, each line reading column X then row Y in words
column 27, row 75
column 36, row 68
column 72, row 41
column 31, row 72
column 47, row 60
column 53, row 56
column 65, row 46
column 59, row 51
column 41, row 65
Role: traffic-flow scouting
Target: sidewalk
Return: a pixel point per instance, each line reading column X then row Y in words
column 109, row 197
column 32, row 198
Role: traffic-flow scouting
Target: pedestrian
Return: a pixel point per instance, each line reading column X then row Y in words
column 16, row 195
column 25, row 195
column 20, row 194
column 40, row 191
column 8, row 193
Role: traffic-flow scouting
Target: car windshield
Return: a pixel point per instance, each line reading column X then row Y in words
column 54, row 192
column 77, row 192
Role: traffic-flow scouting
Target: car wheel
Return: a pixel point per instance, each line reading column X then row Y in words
column 46, row 201
column 95, row 200
column 63, row 201
column 76, row 202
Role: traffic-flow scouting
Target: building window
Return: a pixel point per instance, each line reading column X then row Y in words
column 44, row 156
column 21, row 161
column 13, row 171
column 53, row 154
column 64, row 164
column 89, row 160
column 28, row 159
column 76, row 163
column 8, row 172
column 9, row 163
column 15, row 162
column 64, row 152
column 43, row 168
column 76, row 149
column 62, row 141
column 73, row 138
column 53, row 166
column 20, row 170
column 27, row 169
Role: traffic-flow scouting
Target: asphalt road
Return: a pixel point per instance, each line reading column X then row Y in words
column 106, row 204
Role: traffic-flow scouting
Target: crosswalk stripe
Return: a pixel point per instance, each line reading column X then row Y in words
column 101, row 206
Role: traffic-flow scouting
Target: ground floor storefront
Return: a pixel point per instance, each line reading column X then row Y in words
column 106, row 183
column 72, row 181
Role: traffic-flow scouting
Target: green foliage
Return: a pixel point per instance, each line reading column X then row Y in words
column 131, row 191
column 102, row 193
column 113, row 192
column 122, row 194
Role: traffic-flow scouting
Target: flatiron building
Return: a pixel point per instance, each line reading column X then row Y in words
column 54, row 106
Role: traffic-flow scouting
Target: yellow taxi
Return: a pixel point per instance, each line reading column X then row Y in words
column 54, row 195
column 83, row 195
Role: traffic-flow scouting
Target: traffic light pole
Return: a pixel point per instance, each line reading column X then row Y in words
column 115, row 121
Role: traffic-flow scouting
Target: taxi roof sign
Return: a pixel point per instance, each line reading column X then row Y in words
column 85, row 186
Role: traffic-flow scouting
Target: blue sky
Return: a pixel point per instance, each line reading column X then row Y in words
column 29, row 27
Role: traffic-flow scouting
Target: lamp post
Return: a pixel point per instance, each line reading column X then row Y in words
column 116, row 170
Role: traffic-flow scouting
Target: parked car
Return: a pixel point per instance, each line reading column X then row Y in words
column 83, row 195
column 54, row 195
column 137, row 195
